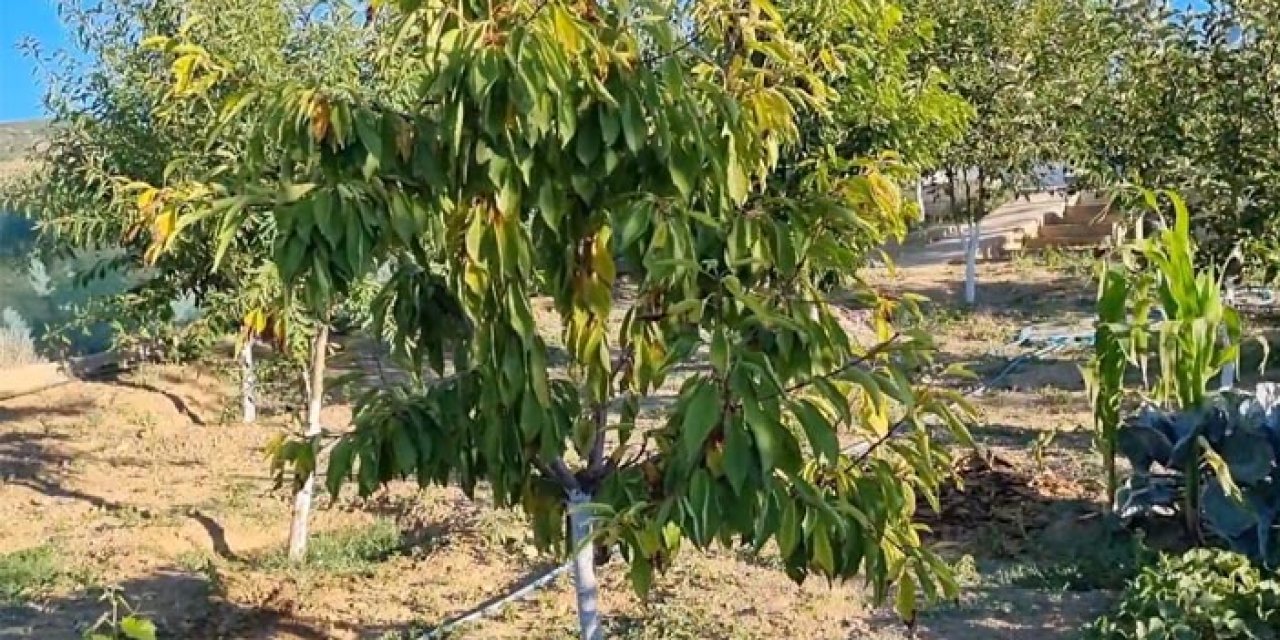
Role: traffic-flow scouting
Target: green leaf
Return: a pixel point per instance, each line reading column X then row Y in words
column 737, row 177
column 822, row 553
column 684, row 170
column 701, row 414
column 737, row 455
column 720, row 351
column 136, row 628
column 633, row 126
column 538, row 373
column 406, row 454
column 789, row 528
column 821, row 434
column 588, row 142
column 641, row 574
column 369, row 130
column 325, row 218
column 700, row 504
column 339, row 466
column 609, row 126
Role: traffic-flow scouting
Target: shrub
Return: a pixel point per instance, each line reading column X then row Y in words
column 344, row 552
column 27, row 573
column 1207, row 594
column 1237, row 435
column 16, row 345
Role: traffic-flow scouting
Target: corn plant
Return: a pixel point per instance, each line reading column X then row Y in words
column 1160, row 273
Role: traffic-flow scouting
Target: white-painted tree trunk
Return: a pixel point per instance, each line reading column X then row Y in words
column 248, row 384
column 315, row 400
column 920, row 196
column 971, row 263
column 584, row 567
column 1228, row 379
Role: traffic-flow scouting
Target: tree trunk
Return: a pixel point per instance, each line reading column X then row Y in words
column 951, row 193
column 584, row 567
column 1228, row 379
column 315, row 400
column 920, row 195
column 971, row 262
column 976, row 212
column 248, row 384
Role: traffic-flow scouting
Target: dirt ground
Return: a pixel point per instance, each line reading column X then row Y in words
column 144, row 483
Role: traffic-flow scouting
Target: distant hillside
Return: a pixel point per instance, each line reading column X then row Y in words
column 17, row 137
column 16, row 140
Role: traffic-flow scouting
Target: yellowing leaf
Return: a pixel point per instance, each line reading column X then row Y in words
column 567, row 31
column 884, row 192
column 146, row 199
column 319, row 119
column 905, row 604
column 602, row 257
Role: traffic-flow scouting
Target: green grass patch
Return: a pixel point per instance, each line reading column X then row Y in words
column 29, row 573
column 1106, row 564
column 344, row 552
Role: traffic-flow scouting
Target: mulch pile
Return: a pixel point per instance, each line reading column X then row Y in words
column 995, row 498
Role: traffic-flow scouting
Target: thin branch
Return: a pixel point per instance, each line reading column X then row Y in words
column 595, row 460
column 890, row 433
column 644, row 448
column 534, row 14
column 560, row 471
column 692, row 40
column 871, row 353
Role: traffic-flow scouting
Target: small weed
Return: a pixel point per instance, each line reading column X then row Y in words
column 30, row 573
column 121, row 621
column 767, row 558
column 200, row 562
column 344, row 552
column 660, row 619
column 1057, row 400
column 504, row 528
column 240, row 498
column 146, row 420
column 666, row 620
column 1041, row 446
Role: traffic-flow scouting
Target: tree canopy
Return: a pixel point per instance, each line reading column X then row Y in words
column 113, row 117
column 1187, row 103
column 569, row 148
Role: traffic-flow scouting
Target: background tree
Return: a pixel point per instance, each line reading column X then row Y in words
column 1014, row 62
column 113, row 114
column 1187, row 104
column 892, row 101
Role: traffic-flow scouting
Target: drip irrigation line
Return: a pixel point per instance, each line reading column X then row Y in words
column 531, row 584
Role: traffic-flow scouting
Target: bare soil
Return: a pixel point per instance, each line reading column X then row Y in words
column 144, row 483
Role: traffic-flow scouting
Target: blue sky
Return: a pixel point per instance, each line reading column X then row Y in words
column 20, row 89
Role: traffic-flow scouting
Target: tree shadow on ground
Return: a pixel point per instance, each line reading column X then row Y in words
column 42, row 411
column 1014, row 300
column 1039, row 563
column 37, row 462
column 181, row 604
column 34, row 461
column 179, row 404
column 1017, row 437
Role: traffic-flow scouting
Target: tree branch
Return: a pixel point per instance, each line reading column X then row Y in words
column 658, row 57
column 557, row 470
column 871, row 353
